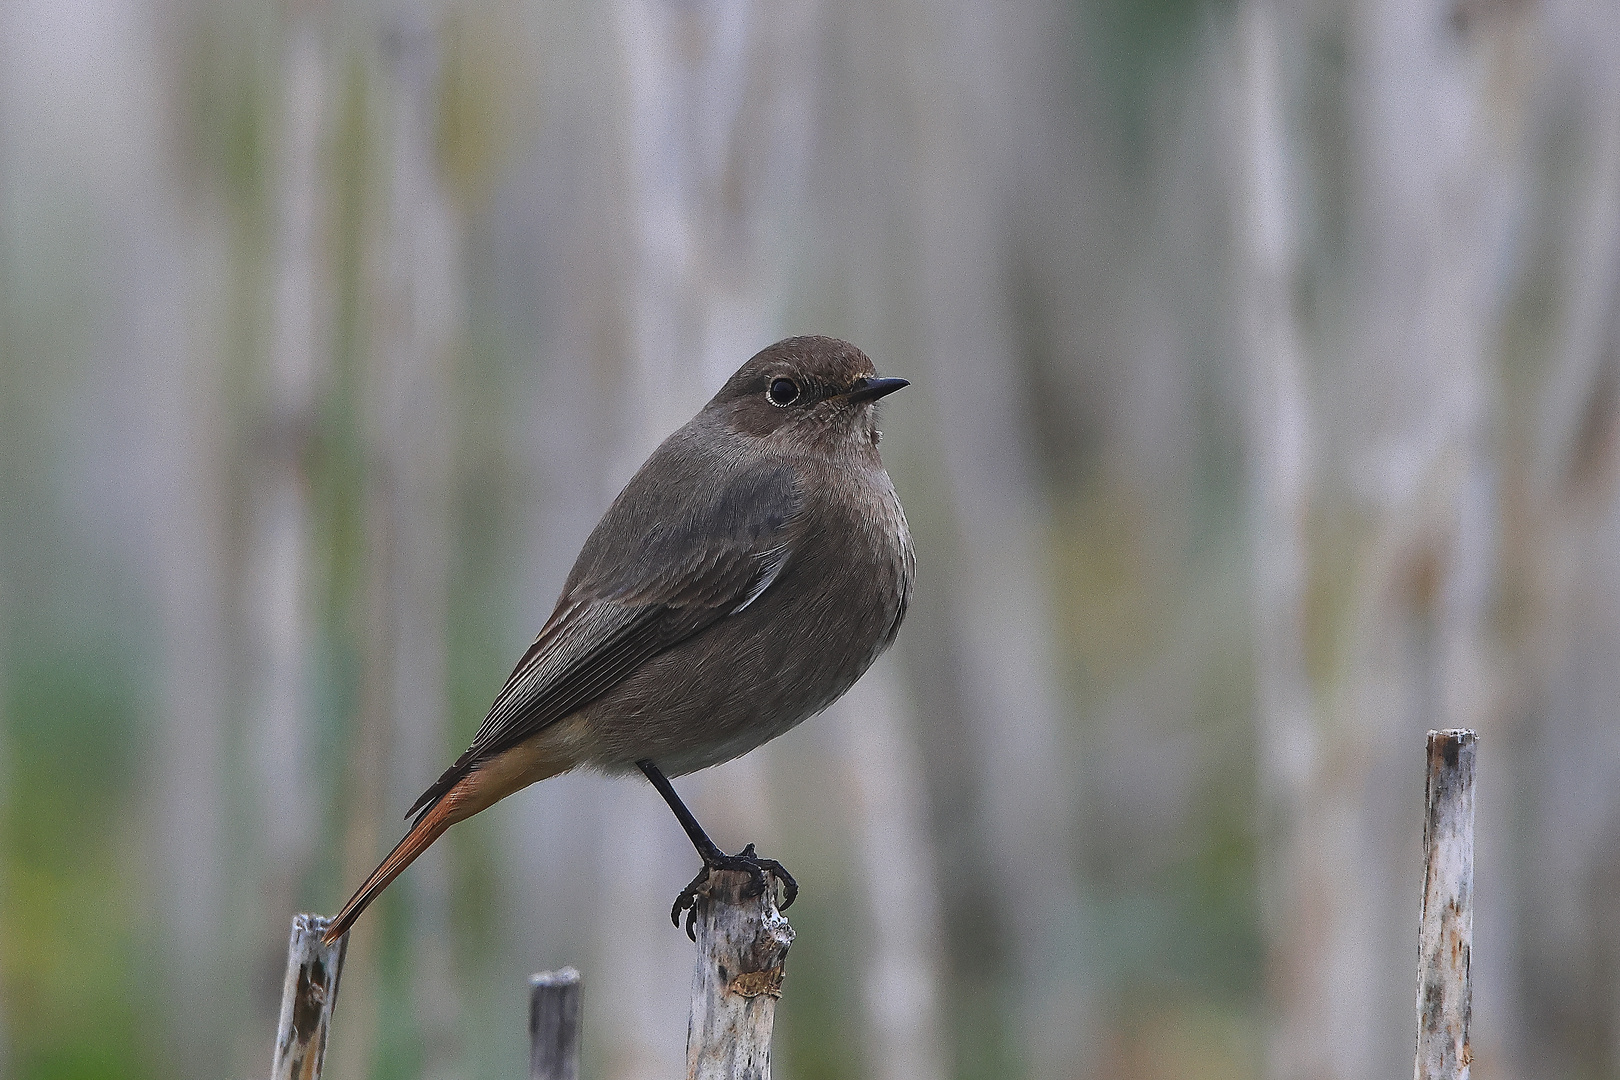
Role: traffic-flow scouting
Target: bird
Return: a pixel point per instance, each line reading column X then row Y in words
column 752, row 569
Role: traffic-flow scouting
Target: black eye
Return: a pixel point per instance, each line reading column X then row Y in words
column 783, row 392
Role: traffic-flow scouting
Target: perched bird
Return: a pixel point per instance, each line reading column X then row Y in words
column 753, row 568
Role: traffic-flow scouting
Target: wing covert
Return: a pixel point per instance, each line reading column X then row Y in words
column 640, row 586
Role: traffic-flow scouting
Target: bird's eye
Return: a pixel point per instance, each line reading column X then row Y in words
column 783, row 392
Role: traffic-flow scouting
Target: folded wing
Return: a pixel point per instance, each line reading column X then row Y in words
column 651, row 576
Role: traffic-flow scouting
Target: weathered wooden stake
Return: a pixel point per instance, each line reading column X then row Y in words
column 554, row 1025
column 1446, row 934
column 742, row 946
column 307, row 998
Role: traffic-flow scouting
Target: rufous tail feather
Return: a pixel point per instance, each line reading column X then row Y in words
column 428, row 829
column 478, row 788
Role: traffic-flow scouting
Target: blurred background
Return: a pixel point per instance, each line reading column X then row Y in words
column 1265, row 414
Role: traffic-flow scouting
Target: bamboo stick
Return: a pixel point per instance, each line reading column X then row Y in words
column 1446, row 934
column 554, row 1025
column 742, row 945
column 308, row 996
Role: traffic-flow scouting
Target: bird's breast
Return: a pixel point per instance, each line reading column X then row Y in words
column 830, row 612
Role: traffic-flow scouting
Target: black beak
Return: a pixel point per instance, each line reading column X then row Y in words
column 872, row 389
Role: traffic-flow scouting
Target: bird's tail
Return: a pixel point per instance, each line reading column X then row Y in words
column 428, row 828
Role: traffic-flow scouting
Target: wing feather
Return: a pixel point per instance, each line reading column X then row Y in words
column 603, row 630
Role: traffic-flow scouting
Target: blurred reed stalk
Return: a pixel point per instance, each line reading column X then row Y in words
column 1001, row 648
column 415, row 313
column 1563, row 545
column 1279, row 450
column 895, row 866
column 281, row 568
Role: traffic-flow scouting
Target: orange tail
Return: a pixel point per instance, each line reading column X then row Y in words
column 428, row 829
column 480, row 787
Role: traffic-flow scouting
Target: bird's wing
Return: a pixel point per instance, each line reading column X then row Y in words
column 644, row 582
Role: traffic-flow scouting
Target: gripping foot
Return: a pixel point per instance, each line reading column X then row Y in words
column 745, row 860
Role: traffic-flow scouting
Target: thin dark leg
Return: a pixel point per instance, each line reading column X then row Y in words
column 706, row 848
column 713, row 858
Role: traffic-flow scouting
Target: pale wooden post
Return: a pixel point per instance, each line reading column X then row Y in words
column 554, row 1025
column 308, row 996
column 742, row 946
column 1446, row 933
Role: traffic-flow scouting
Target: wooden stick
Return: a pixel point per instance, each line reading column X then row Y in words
column 1446, row 935
column 308, row 996
column 742, row 945
column 554, row 1025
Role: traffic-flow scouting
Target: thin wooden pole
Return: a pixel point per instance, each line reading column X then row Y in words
column 554, row 1025
column 742, row 946
column 308, row 996
column 1446, row 935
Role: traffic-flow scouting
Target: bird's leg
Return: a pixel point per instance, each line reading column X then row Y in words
column 713, row 858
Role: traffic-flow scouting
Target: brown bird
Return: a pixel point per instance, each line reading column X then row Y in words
column 753, row 568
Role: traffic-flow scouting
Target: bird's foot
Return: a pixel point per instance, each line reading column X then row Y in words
column 745, row 860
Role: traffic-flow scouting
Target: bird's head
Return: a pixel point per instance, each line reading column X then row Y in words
column 814, row 391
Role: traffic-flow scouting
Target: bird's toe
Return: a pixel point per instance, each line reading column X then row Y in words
column 760, row 871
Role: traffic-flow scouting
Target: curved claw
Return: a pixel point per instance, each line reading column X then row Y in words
column 761, row 867
column 745, row 860
column 687, row 902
